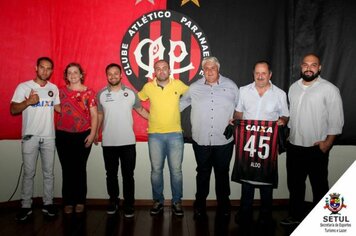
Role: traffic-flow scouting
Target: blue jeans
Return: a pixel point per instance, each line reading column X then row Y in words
column 170, row 145
column 31, row 147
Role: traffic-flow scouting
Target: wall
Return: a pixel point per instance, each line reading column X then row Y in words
column 341, row 158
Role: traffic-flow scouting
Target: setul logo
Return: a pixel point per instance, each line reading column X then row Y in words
column 335, row 222
column 335, row 204
column 164, row 35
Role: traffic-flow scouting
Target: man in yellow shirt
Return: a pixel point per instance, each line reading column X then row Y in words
column 165, row 138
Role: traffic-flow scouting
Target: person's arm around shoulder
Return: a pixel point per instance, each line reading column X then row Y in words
column 184, row 87
column 142, row 95
column 142, row 112
column 137, row 106
column 185, row 100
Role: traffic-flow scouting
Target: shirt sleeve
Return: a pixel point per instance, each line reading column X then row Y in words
column 237, row 96
column 185, row 100
column 184, row 88
column 240, row 106
column 137, row 103
column 19, row 94
column 143, row 94
column 283, row 104
column 335, row 113
column 100, row 106
column 56, row 99
column 92, row 99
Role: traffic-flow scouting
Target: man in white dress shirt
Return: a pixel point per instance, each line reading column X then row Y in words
column 316, row 117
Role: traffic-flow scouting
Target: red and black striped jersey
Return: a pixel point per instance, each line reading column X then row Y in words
column 256, row 152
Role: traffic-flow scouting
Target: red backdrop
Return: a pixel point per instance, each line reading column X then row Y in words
column 85, row 31
column 239, row 34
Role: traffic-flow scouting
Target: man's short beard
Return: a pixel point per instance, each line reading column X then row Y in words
column 115, row 84
column 309, row 78
column 162, row 79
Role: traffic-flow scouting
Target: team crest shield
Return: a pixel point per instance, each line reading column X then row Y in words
column 167, row 35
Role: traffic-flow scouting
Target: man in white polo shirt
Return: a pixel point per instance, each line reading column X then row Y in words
column 115, row 104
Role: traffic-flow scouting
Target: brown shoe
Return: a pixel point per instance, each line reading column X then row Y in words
column 79, row 208
column 68, row 209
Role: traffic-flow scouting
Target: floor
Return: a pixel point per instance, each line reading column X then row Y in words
column 96, row 222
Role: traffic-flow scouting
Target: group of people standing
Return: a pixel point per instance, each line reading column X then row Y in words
column 73, row 135
column 314, row 116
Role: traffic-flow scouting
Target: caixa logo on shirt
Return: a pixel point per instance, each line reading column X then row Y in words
column 166, row 35
column 44, row 104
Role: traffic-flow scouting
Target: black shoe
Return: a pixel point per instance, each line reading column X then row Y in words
column 223, row 212
column 289, row 221
column 267, row 222
column 113, row 207
column 49, row 210
column 200, row 214
column 24, row 214
column 243, row 221
column 177, row 209
column 157, row 208
column 129, row 212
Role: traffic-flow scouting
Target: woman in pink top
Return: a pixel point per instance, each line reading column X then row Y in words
column 75, row 134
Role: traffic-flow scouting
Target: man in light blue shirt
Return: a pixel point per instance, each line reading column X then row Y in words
column 213, row 99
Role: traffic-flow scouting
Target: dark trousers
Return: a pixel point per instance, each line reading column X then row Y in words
column 73, row 156
column 217, row 157
column 247, row 196
column 303, row 162
column 127, row 156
